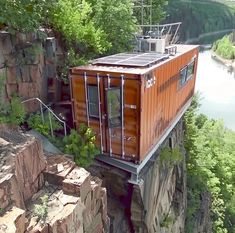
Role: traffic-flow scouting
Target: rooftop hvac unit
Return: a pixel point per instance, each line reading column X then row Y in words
column 157, row 45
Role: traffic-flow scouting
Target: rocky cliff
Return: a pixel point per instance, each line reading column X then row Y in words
column 46, row 194
column 157, row 203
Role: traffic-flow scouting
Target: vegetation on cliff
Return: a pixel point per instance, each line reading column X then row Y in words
column 210, row 167
column 199, row 17
column 87, row 27
column 224, row 47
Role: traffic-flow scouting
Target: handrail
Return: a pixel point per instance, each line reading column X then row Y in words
column 50, row 111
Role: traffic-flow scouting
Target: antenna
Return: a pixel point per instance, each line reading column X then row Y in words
column 150, row 33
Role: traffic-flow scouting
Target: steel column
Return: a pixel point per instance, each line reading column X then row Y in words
column 85, row 86
column 100, row 115
column 110, row 130
column 122, row 115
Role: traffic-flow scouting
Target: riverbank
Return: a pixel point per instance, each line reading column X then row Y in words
column 230, row 64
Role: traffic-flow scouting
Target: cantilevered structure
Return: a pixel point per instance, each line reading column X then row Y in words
column 133, row 100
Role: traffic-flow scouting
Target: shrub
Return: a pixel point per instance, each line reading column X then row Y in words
column 13, row 113
column 35, row 122
column 170, row 157
column 81, row 145
column 224, row 48
column 41, row 210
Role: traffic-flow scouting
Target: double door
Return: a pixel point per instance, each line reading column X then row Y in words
column 105, row 112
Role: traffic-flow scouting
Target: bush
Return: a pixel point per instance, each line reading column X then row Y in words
column 41, row 210
column 13, row 113
column 224, row 48
column 35, row 122
column 170, row 157
column 81, row 145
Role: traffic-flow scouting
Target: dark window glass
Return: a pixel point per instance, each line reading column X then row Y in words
column 183, row 76
column 114, row 107
column 93, row 101
column 190, row 70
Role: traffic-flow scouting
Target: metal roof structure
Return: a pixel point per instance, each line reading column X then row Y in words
column 132, row 59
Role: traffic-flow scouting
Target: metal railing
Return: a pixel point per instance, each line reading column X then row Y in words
column 50, row 112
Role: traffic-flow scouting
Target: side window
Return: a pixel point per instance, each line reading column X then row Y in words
column 93, row 101
column 114, row 107
column 183, row 76
column 186, row 73
column 190, row 69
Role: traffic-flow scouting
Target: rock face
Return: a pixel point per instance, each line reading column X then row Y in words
column 202, row 220
column 22, row 163
column 75, row 201
column 13, row 221
column 157, row 203
column 22, row 66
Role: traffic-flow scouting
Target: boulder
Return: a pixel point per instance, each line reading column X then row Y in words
column 58, row 167
column 77, row 183
column 13, row 221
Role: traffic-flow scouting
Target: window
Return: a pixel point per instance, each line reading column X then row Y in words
column 186, row 73
column 190, row 71
column 93, row 101
column 183, row 76
column 114, row 107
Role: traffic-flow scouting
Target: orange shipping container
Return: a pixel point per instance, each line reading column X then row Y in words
column 131, row 100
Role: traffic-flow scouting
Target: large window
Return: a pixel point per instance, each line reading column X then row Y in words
column 114, row 107
column 93, row 101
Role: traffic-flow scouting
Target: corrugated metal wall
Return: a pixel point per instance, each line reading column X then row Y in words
column 131, row 112
column 161, row 102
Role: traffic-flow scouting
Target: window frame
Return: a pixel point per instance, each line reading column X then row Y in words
column 90, row 102
column 181, row 84
column 110, row 125
column 187, row 77
column 193, row 69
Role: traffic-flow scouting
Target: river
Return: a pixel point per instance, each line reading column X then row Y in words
column 217, row 87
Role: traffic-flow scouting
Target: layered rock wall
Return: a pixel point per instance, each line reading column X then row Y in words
column 76, row 201
column 159, row 200
column 157, row 203
column 28, row 67
column 22, row 65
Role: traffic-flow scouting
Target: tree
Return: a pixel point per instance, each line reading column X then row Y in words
column 22, row 15
column 115, row 18
column 210, row 167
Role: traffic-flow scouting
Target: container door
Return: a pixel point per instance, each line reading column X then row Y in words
column 115, row 117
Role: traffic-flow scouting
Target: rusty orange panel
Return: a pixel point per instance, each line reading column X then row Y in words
column 152, row 100
column 161, row 103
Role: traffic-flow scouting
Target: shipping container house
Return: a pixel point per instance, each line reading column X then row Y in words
column 130, row 100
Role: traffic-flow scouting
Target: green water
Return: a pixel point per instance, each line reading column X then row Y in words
column 216, row 83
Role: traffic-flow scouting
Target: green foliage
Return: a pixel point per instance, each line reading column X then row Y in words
column 210, row 167
column 41, row 210
column 116, row 20
column 22, row 15
column 170, row 157
column 35, row 122
column 158, row 12
column 73, row 19
column 224, row 47
column 167, row 221
column 1, row 210
column 13, row 113
column 16, row 113
column 81, row 145
column 200, row 17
